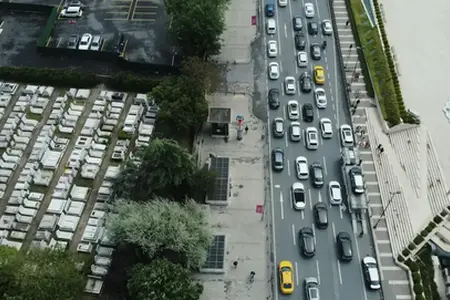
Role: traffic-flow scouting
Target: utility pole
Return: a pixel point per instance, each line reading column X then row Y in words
column 385, row 208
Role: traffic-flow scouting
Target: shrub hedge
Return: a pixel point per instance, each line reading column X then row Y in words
column 437, row 219
column 384, row 77
column 418, row 239
column 70, row 78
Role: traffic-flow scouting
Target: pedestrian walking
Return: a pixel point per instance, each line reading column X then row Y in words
column 235, row 263
column 357, row 103
column 359, row 162
column 346, row 23
column 379, row 146
column 353, row 111
column 252, row 276
column 381, row 149
column 361, row 234
column 246, row 129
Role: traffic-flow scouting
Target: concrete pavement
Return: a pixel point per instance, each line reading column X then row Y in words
column 338, row 281
column 247, row 242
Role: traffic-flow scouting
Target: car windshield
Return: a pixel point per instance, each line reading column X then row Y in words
column 313, row 293
column 312, row 137
column 278, row 157
column 308, row 241
column 318, row 174
column 287, row 285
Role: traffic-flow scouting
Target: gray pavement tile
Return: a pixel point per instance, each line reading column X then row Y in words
column 384, row 248
column 371, row 178
column 366, row 156
column 381, row 223
column 395, row 275
column 372, row 188
column 387, row 261
column 368, row 168
column 376, row 211
column 381, row 235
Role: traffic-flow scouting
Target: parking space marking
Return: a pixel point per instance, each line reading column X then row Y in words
column 143, row 11
column 120, row 10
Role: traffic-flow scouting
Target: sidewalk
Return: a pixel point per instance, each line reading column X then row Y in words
column 395, row 281
column 247, row 242
column 239, row 32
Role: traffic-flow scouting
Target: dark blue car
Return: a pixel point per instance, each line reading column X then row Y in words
column 270, row 10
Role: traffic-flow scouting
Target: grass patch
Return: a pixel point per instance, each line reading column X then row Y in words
column 80, row 181
column 377, row 62
column 39, row 189
column 33, row 116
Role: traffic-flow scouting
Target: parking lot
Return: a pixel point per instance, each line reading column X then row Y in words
column 60, row 150
column 143, row 23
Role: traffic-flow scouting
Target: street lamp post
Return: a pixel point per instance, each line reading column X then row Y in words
column 385, row 208
column 348, row 56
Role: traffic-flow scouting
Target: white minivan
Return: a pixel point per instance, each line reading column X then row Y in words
column 271, row 26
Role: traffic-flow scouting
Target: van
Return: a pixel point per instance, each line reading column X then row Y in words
column 271, row 26
column 118, row 43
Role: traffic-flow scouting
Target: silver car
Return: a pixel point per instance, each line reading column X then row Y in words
column 312, row 288
column 97, row 42
column 335, row 193
column 295, row 131
column 274, row 71
column 302, row 59
column 321, row 98
column 326, row 128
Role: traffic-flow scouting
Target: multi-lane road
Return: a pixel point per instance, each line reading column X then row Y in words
column 337, row 280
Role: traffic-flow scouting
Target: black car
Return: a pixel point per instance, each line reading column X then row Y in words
column 118, row 43
column 277, row 159
column 305, row 82
column 297, row 23
column 344, row 246
column 321, row 215
column 315, row 51
column 313, row 28
column 307, row 245
column 270, row 10
column 317, row 175
column 73, row 41
column 300, row 43
column 278, row 127
column 274, row 98
column 308, row 113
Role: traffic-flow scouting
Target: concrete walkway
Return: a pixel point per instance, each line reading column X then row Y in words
column 246, row 231
column 395, row 282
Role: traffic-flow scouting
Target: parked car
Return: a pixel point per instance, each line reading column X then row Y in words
column 278, row 127
column 73, row 41
column 346, row 135
column 272, row 49
column 71, row 12
column 371, row 274
column 297, row 23
column 97, row 43
column 274, row 71
column 274, row 98
column 85, row 41
column 327, row 28
column 312, row 288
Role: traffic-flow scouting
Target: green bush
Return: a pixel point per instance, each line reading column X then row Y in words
column 416, row 277
column 409, row 262
column 48, row 29
column 400, row 258
column 69, row 78
column 414, row 267
column 435, row 295
column 406, row 252
column 424, row 233
column 428, row 229
column 420, row 297
column 437, row 219
column 418, row 289
column 431, row 224
column 418, row 239
column 411, row 247
column 443, row 213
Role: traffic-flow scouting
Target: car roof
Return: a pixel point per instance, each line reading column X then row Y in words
column 344, row 234
column 294, row 124
column 369, row 260
column 290, row 102
column 345, row 126
column 306, row 230
column 298, row 185
column 301, row 159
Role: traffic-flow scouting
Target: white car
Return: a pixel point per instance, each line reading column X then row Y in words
column 312, row 138
column 334, row 189
column 271, row 26
column 301, row 165
column 302, row 59
column 371, row 274
column 274, row 71
column 346, row 135
column 272, row 49
column 298, row 196
column 293, row 110
column 309, row 10
column 282, row 3
column 321, row 98
column 327, row 28
column 71, row 12
column 97, row 42
column 290, row 85
column 326, row 128
column 295, row 131
column 85, row 42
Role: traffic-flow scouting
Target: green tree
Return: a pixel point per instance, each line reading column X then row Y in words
column 203, row 74
column 183, row 106
column 166, row 169
column 44, row 274
column 179, row 232
column 198, row 25
column 162, row 280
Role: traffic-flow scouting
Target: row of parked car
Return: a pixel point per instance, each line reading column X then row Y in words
column 86, row 42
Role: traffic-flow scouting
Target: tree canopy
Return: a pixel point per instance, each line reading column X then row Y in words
column 162, row 280
column 167, row 169
column 198, row 25
column 39, row 274
column 160, row 227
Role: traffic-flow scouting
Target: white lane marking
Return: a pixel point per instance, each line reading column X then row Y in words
column 359, row 258
column 302, row 214
column 278, row 34
column 333, row 228
column 310, row 199
column 284, row 112
column 304, row 139
column 293, row 234
column 341, row 212
column 339, row 271
column 281, row 67
column 277, row 186
column 286, row 139
column 318, row 12
column 325, row 168
column 318, row 270
column 281, row 205
column 296, row 274
column 285, row 30
column 289, row 167
column 318, row 113
column 314, row 233
column 320, row 197
column 321, row 141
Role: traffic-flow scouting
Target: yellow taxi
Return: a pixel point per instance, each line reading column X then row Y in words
column 286, row 272
column 319, row 75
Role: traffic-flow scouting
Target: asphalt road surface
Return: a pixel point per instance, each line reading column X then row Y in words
column 337, row 280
